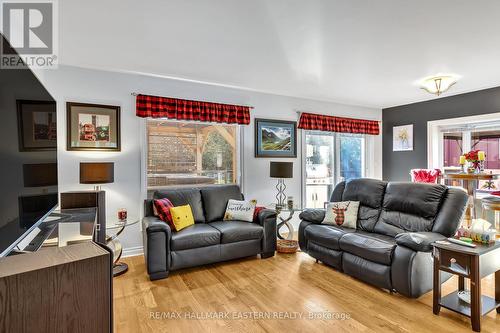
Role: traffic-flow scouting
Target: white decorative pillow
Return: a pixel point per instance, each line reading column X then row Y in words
column 344, row 213
column 240, row 210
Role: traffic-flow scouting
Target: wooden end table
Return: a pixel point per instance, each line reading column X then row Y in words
column 467, row 263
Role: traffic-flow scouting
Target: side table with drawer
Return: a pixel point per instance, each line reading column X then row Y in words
column 467, row 263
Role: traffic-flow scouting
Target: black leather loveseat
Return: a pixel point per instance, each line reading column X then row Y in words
column 396, row 224
column 210, row 239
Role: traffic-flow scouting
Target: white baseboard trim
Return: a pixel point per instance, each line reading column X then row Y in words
column 132, row 251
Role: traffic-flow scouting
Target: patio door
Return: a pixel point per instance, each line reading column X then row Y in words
column 329, row 159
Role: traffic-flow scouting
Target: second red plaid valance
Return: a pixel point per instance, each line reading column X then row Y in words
column 311, row 121
column 182, row 109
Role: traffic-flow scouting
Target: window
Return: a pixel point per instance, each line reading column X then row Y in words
column 451, row 138
column 330, row 158
column 459, row 141
column 487, row 141
column 452, row 149
column 190, row 153
column 352, row 154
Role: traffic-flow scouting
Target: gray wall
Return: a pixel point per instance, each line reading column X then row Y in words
column 397, row 165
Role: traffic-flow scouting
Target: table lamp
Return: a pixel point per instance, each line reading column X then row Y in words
column 97, row 173
column 281, row 170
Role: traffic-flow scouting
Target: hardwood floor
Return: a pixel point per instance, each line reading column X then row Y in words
column 284, row 285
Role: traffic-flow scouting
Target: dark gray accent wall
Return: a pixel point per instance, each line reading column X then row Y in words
column 397, row 165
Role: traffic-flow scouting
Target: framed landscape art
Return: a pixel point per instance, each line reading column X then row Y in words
column 93, row 127
column 275, row 138
column 37, row 125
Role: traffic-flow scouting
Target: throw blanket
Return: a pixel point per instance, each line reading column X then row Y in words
column 425, row 175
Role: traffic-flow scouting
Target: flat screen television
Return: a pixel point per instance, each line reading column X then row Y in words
column 28, row 148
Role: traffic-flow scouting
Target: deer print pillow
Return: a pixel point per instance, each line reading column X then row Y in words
column 344, row 213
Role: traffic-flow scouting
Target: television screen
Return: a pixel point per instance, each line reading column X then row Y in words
column 28, row 148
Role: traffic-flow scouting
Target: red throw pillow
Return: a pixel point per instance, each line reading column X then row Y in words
column 163, row 209
column 256, row 212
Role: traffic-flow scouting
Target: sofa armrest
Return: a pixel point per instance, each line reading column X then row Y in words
column 265, row 214
column 267, row 219
column 156, row 239
column 418, row 241
column 313, row 215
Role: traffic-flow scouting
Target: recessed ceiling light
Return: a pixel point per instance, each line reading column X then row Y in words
column 438, row 84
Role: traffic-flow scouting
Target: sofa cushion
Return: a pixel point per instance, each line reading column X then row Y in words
column 236, row 231
column 414, row 198
column 215, row 199
column 409, row 207
column 184, row 196
column 370, row 246
column 197, row 235
column 370, row 194
column 326, row 235
column 451, row 212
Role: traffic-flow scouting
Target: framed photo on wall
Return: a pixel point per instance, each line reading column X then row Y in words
column 37, row 125
column 402, row 138
column 275, row 138
column 93, row 127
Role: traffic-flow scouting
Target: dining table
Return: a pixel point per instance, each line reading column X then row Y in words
column 470, row 183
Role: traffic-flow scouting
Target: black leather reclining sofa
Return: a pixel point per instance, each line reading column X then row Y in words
column 396, row 224
column 210, row 239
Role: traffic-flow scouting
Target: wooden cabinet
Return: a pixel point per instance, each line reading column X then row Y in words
column 57, row 289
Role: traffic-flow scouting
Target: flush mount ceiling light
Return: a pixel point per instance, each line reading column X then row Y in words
column 438, row 84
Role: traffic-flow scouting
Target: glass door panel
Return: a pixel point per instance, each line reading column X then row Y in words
column 352, row 156
column 319, row 168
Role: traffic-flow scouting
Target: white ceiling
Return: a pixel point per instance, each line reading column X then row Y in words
column 352, row 51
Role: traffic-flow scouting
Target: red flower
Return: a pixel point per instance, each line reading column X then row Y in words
column 472, row 156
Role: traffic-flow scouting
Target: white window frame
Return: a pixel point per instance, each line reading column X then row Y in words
column 144, row 151
column 435, row 135
column 367, row 157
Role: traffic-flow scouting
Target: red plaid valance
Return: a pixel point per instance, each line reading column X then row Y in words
column 182, row 109
column 311, row 121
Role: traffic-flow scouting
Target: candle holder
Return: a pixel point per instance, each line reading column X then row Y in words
column 463, row 169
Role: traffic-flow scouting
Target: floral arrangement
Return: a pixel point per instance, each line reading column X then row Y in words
column 473, row 157
column 476, row 159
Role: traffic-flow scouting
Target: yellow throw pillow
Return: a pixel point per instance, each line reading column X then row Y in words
column 182, row 217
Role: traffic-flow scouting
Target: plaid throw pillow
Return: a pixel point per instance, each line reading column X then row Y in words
column 163, row 209
column 256, row 212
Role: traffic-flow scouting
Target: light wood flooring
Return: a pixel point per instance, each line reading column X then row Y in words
column 284, row 285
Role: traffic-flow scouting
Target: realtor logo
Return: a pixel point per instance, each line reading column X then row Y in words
column 30, row 29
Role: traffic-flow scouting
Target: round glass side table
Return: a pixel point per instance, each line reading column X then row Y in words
column 113, row 230
column 285, row 221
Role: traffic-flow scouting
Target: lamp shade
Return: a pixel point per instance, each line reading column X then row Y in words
column 40, row 175
column 281, row 170
column 97, row 173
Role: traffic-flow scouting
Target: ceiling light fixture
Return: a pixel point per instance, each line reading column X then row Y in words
column 438, row 84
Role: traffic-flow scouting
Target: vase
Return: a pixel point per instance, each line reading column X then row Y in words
column 473, row 167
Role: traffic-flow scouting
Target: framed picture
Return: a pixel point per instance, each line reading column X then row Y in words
column 93, row 127
column 402, row 138
column 275, row 138
column 37, row 125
